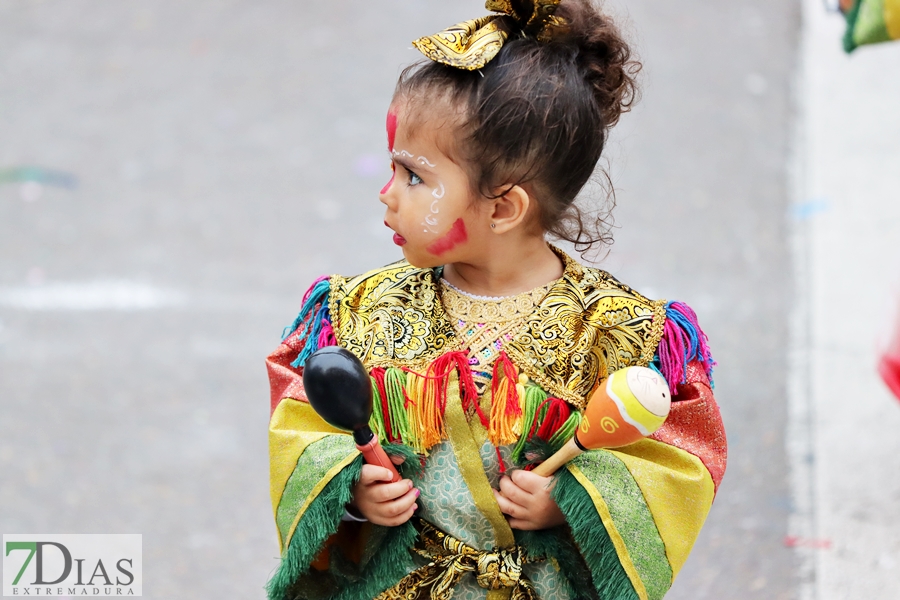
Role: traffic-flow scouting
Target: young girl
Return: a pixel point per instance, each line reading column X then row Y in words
column 484, row 344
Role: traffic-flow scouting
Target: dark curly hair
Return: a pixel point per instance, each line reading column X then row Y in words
column 537, row 115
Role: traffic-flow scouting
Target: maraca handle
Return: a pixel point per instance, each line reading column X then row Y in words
column 560, row 458
column 374, row 454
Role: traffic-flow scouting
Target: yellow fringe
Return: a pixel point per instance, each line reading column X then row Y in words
column 413, row 410
column 426, row 411
column 504, row 428
column 425, row 415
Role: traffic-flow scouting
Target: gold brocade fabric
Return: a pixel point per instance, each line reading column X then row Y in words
column 468, row 45
column 450, row 559
column 472, row 44
column 485, row 325
column 586, row 326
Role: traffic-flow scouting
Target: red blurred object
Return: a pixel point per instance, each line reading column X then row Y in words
column 793, row 541
column 889, row 367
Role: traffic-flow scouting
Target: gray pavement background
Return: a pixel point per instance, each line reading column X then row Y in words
column 229, row 152
column 845, row 485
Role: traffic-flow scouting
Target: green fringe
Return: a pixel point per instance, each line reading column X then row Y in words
column 412, row 467
column 376, row 422
column 536, row 452
column 321, row 520
column 385, row 560
column 609, row 577
column 849, row 42
column 534, row 397
column 388, row 559
column 557, row 544
column 566, row 431
column 394, row 382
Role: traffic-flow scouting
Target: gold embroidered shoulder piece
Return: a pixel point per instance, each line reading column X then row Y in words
column 391, row 316
column 587, row 326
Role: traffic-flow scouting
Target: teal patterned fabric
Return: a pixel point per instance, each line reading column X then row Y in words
column 446, row 502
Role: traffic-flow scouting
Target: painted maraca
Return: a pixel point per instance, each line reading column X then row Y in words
column 633, row 404
column 339, row 389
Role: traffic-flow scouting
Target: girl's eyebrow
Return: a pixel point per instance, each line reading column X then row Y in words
column 408, row 164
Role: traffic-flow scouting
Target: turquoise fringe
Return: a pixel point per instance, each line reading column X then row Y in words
column 313, row 316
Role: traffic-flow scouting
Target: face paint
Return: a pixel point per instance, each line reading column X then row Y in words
column 457, row 235
column 391, row 125
column 424, row 161
column 402, row 153
column 391, row 129
column 387, row 186
column 431, row 220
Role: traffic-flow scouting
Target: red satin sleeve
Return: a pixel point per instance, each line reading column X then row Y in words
column 695, row 425
column 285, row 381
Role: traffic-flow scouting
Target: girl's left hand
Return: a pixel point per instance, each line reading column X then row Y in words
column 525, row 498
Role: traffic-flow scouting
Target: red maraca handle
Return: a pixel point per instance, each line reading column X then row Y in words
column 374, row 454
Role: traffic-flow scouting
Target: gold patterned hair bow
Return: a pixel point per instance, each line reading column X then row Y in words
column 472, row 44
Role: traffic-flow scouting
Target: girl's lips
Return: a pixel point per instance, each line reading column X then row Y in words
column 399, row 239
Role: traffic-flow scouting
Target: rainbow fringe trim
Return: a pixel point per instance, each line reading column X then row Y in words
column 682, row 342
column 312, row 327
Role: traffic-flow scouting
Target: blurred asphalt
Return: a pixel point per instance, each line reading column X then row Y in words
column 227, row 153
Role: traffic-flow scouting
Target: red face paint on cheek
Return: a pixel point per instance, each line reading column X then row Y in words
column 391, row 129
column 457, row 235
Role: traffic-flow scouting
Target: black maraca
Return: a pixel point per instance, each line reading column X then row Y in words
column 340, row 391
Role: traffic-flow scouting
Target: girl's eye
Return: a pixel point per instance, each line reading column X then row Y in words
column 414, row 179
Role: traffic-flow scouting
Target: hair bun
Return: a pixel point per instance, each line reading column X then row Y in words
column 603, row 54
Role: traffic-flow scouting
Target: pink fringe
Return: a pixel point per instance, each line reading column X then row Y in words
column 682, row 342
column 326, row 336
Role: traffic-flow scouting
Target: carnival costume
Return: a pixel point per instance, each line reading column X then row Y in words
column 463, row 406
column 466, row 388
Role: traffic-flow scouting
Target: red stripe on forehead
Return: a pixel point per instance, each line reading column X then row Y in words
column 391, row 128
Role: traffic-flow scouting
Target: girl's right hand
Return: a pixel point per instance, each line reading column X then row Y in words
column 383, row 502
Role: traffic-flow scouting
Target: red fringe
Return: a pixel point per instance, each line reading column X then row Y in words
column 443, row 365
column 557, row 414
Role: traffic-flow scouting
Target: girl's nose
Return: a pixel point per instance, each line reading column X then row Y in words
column 384, row 194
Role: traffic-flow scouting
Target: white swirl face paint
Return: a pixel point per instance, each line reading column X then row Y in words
column 431, row 222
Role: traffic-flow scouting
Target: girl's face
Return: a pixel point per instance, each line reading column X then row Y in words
column 429, row 203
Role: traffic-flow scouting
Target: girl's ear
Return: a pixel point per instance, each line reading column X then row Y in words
column 511, row 209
